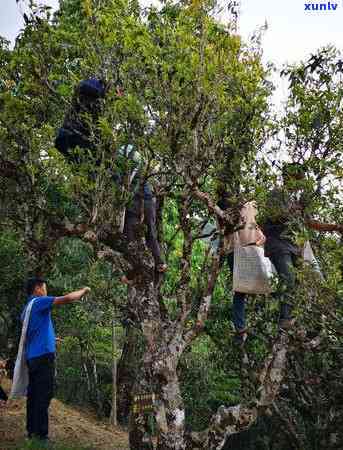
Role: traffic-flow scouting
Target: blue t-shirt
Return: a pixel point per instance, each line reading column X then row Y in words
column 40, row 336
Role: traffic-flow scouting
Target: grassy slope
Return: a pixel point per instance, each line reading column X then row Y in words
column 69, row 429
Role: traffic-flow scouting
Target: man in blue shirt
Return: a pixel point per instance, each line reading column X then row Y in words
column 40, row 351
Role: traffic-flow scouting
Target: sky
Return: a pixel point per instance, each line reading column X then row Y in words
column 293, row 32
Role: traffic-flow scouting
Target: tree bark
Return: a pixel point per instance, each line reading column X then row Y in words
column 158, row 386
column 169, row 407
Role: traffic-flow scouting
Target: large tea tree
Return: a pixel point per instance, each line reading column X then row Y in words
column 195, row 105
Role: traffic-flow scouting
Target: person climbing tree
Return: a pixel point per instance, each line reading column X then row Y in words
column 85, row 110
column 134, row 211
column 286, row 218
column 76, row 132
column 249, row 234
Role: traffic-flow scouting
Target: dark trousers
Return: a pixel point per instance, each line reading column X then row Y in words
column 3, row 395
column 133, row 219
column 239, row 298
column 39, row 395
column 285, row 263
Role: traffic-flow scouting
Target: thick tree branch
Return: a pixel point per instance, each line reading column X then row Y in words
column 320, row 226
column 205, row 302
column 229, row 217
column 235, row 419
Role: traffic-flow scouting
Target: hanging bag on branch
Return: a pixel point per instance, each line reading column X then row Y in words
column 310, row 259
column 252, row 272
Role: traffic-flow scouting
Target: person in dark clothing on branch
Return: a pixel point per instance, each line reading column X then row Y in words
column 85, row 110
column 286, row 220
column 77, row 133
column 40, row 351
column 134, row 211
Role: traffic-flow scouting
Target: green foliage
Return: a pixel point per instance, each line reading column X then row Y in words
column 12, row 273
column 196, row 105
column 207, row 382
column 313, row 126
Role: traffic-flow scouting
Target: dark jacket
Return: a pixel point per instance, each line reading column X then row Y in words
column 283, row 220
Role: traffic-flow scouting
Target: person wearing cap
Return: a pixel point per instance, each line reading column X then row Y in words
column 76, row 131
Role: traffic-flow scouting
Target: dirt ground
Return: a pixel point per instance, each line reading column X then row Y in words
column 68, row 427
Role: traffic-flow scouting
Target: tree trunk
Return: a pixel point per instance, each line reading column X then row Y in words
column 140, row 435
column 158, row 396
column 169, row 407
column 127, row 368
column 156, row 390
column 96, row 387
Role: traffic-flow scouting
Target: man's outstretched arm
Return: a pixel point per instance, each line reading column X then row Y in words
column 72, row 297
